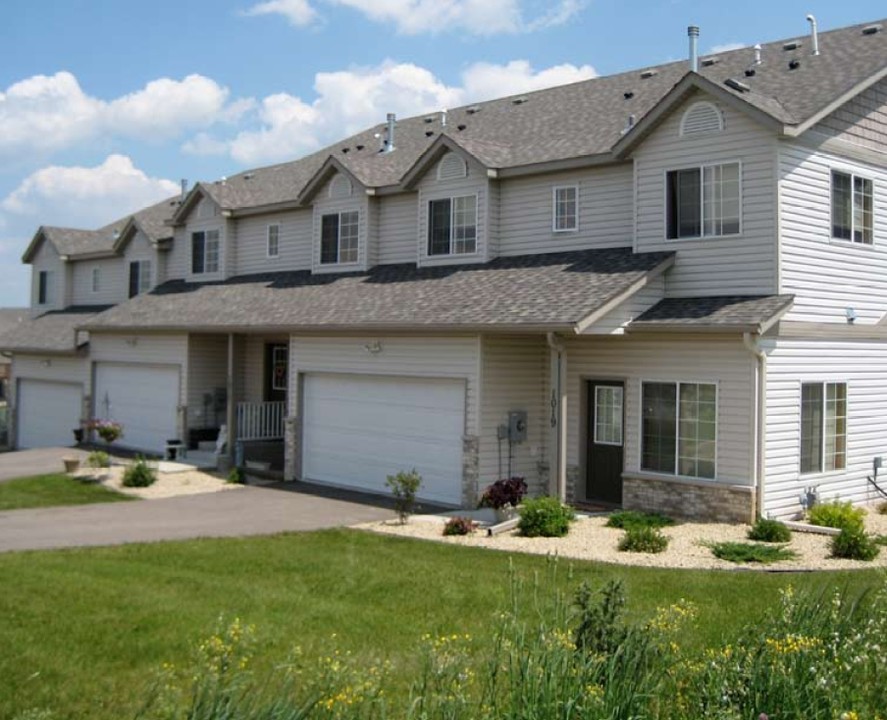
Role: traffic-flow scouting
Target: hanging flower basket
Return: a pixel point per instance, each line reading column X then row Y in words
column 107, row 430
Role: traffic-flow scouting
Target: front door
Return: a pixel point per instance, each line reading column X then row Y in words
column 606, row 430
column 276, row 371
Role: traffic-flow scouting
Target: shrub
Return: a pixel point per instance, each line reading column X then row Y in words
column 459, row 526
column 854, row 544
column 625, row 519
column 837, row 514
column 139, row 474
column 504, row 492
column 404, row 486
column 643, row 539
column 236, row 476
column 770, row 531
column 98, row 459
column 737, row 552
column 545, row 517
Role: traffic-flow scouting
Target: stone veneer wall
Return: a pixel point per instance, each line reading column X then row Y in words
column 292, row 448
column 573, row 484
column 470, row 471
column 688, row 499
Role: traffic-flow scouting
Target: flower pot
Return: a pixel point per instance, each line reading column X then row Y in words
column 505, row 513
column 72, row 464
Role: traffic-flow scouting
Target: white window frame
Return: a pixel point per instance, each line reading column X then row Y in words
column 339, row 225
column 272, row 240
column 701, row 167
column 677, row 439
column 597, row 440
column 823, row 470
column 851, row 241
column 555, row 216
column 216, row 246
column 48, row 298
column 453, row 240
column 95, row 280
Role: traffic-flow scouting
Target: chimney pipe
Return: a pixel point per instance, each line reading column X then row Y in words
column 814, row 35
column 757, row 49
column 389, row 142
column 693, row 34
column 443, row 118
column 184, row 185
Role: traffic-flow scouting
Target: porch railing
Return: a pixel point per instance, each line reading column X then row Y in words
column 260, row 420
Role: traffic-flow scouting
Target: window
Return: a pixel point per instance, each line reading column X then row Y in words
column 96, row 285
column 273, row 241
column 608, row 415
column 823, row 427
column 703, row 201
column 44, row 287
column 338, row 238
column 452, row 226
column 679, row 428
column 566, row 208
column 205, row 252
column 139, row 277
column 279, row 354
column 852, row 210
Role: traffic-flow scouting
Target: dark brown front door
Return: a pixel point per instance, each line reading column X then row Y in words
column 276, row 371
column 606, row 432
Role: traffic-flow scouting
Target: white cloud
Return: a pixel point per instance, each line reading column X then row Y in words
column 46, row 113
column 413, row 17
column 351, row 100
column 725, row 47
column 84, row 197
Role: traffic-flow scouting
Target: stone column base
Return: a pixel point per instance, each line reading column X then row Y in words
column 707, row 501
column 470, row 471
column 292, row 448
column 573, row 474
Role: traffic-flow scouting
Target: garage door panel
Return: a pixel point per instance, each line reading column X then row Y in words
column 360, row 429
column 48, row 412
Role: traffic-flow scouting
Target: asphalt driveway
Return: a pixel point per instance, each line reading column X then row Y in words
column 43, row 461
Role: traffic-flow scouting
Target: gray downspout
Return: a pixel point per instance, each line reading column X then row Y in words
column 231, row 417
column 751, row 344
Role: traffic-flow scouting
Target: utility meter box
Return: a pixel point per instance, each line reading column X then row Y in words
column 517, row 426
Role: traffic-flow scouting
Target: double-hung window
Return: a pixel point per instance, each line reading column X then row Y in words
column 452, row 226
column 852, row 208
column 339, row 233
column 823, row 427
column 273, row 246
column 679, row 428
column 44, row 287
column 139, row 277
column 205, row 252
column 96, row 283
column 703, row 201
column 565, row 202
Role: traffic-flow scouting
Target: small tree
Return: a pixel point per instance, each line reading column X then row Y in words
column 404, row 486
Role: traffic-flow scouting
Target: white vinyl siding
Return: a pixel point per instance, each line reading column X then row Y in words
column 47, row 261
column 112, row 280
column 724, row 362
column 606, row 208
column 828, row 275
column 397, row 229
column 791, row 363
column 721, row 265
column 207, row 376
column 293, row 242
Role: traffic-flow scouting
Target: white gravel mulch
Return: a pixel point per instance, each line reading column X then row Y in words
column 589, row 539
column 169, row 484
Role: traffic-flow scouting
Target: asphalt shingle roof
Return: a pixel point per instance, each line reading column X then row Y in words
column 557, row 289
column 728, row 312
column 53, row 332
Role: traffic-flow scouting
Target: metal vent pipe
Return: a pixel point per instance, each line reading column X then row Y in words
column 814, row 35
column 693, row 34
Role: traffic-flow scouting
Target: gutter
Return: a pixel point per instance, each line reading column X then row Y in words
column 751, row 344
column 360, row 329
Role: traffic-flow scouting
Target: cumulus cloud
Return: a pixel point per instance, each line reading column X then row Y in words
column 84, row 197
column 413, row 17
column 351, row 100
column 46, row 113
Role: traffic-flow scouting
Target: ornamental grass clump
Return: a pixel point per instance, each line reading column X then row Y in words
column 770, row 531
column 507, row 492
column 545, row 517
column 837, row 514
column 642, row 539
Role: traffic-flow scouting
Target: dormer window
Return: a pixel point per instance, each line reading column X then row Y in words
column 339, row 234
column 204, row 252
column 44, row 287
column 139, row 277
column 852, row 208
column 452, row 226
column 703, row 201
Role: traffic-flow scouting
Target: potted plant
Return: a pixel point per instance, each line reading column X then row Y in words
column 503, row 496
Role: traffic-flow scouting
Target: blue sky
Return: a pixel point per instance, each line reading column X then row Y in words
column 105, row 105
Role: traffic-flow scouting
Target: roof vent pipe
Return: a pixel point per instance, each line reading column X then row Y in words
column 757, row 49
column 693, row 34
column 184, row 185
column 389, row 142
column 814, row 35
column 443, row 118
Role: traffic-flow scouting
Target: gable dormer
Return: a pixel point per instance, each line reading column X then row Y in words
column 203, row 237
column 49, row 277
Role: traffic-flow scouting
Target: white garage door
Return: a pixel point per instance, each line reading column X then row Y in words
column 48, row 413
column 360, row 429
column 143, row 399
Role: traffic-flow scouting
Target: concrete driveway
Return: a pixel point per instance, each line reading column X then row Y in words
column 43, row 461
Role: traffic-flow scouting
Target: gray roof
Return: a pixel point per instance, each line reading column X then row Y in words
column 725, row 312
column 9, row 319
column 53, row 332
column 538, row 291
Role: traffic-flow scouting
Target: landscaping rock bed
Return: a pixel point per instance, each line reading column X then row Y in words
column 169, row 484
column 589, row 539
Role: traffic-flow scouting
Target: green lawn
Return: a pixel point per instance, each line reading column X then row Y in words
column 52, row 490
column 84, row 630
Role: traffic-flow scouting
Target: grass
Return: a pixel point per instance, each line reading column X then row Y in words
column 737, row 552
column 52, row 490
column 83, row 631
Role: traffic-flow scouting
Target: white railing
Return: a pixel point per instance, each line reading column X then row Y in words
column 260, row 421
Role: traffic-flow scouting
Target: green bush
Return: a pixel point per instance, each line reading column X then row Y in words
column 770, row 531
column 545, row 517
column 625, row 519
column 837, row 514
column 98, row 459
column 643, row 540
column 236, row 476
column 854, row 544
column 737, row 552
column 459, row 526
column 404, row 486
column 139, row 474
